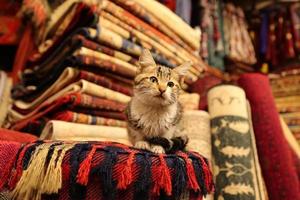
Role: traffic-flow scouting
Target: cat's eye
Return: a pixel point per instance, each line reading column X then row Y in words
column 153, row 79
column 170, row 84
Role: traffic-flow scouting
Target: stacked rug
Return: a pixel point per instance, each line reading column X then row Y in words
column 286, row 90
column 73, row 79
column 81, row 73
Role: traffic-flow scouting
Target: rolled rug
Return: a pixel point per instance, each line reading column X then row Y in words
column 236, row 169
column 68, row 131
column 5, row 100
column 275, row 157
column 196, row 124
column 189, row 101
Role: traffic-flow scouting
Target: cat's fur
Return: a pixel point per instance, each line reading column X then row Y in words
column 154, row 111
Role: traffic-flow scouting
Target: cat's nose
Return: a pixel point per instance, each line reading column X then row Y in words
column 162, row 90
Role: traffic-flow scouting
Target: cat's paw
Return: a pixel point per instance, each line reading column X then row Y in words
column 142, row 145
column 157, row 149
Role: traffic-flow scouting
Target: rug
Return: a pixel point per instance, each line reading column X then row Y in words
column 100, row 170
column 236, row 169
column 69, row 131
column 275, row 156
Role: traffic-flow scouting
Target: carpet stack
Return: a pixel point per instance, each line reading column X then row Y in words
column 286, row 90
column 81, row 73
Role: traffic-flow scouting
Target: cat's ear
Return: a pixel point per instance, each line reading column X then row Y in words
column 146, row 60
column 182, row 69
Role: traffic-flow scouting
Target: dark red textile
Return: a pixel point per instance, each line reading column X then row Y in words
column 275, row 158
column 201, row 86
column 171, row 4
column 15, row 136
column 26, row 46
column 8, row 153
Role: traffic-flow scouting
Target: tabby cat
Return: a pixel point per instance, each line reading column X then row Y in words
column 154, row 111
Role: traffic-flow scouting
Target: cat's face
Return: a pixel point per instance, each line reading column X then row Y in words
column 156, row 84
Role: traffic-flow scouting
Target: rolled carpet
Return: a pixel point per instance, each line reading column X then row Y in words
column 197, row 126
column 274, row 154
column 235, row 164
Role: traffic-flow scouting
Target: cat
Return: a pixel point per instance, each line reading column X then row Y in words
column 154, row 111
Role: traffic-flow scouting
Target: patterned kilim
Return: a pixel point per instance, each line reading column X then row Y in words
column 65, row 170
column 75, row 100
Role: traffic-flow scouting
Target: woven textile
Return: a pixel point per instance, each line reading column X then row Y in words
column 82, row 86
column 144, row 32
column 99, row 59
column 189, row 101
column 235, row 165
column 5, row 99
column 112, row 39
column 201, row 86
column 146, row 16
column 15, row 136
column 70, row 101
column 197, row 126
column 118, row 171
column 169, row 19
column 274, row 154
column 69, row 131
column 81, row 118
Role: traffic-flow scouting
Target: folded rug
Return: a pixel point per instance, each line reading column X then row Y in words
column 235, row 165
column 81, row 118
column 89, row 104
column 38, row 93
column 110, row 38
column 146, row 16
column 82, row 86
column 109, row 21
column 277, row 165
column 102, row 113
column 79, row 14
column 100, row 170
column 168, row 18
column 107, row 50
column 148, row 34
column 68, row 131
column 99, row 59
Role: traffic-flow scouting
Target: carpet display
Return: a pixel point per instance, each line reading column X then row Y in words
column 34, row 170
column 286, row 90
column 67, row 74
column 278, row 169
column 72, row 83
column 235, row 165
